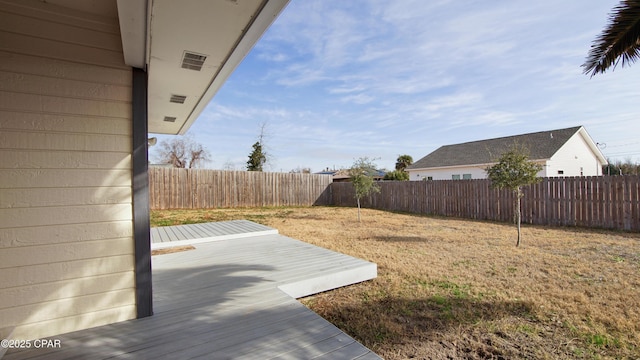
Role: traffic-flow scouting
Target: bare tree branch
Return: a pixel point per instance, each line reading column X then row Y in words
column 183, row 152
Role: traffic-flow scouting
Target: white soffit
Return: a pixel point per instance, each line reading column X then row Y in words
column 223, row 31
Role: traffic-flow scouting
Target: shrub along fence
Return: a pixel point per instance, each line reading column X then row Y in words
column 603, row 202
column 172, row 188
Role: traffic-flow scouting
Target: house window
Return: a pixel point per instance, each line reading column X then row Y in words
column 466, row 176
column 560, row 172
column 455, row 177
column 429, row 177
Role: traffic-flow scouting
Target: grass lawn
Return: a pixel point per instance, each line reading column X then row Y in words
column 451, row 288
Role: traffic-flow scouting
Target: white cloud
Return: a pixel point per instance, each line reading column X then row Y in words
column 342, row 79
column 360, row 99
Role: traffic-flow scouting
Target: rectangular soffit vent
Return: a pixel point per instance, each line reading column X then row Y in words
column 170, row 118
column 193, row 61
column 178, row 99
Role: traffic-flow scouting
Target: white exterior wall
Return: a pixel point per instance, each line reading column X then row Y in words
column 477, row 172
column 66, row 228
column 574, row 158
column 446, row 173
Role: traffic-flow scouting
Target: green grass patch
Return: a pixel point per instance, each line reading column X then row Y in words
column 527, row 329
column 603, row 341
column 458, row 291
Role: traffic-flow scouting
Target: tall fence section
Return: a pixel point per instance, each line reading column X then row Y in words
column 172, row 188
column 603, row 202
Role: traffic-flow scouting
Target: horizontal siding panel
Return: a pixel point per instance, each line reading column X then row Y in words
column 60, row 15
column 35, row 255
column 31, row 294
column 26, row 198
column 73, row 323
column 62, row 141
column 55, row 178
column 61, row 234
column 55, row 105
column 40, row 274
column 18, row 159
column 81, row 124
column 66, row 229
column 70, row 33
column 33, row 65
column 76, row 89
column 23, row 217
column 67, row 307
column 29, row 45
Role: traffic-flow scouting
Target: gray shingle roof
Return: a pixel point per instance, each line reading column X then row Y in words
column 541, row 145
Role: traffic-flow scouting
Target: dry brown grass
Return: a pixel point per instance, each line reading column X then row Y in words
column 450, row 288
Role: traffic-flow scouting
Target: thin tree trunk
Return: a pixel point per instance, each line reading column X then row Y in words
column 518, row 213
column 358, row 209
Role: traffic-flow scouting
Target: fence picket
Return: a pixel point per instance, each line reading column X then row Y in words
column 570, row 201
column 599, row 201
column 171, row 188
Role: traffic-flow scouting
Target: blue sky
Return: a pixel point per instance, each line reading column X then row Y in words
column 337, row 80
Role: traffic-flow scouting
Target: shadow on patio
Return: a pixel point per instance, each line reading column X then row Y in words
column 222, row 301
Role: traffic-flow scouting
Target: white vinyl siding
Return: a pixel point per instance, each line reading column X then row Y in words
column 454, row 173
column 575, row 158
column 66, row 229
column 448, row 173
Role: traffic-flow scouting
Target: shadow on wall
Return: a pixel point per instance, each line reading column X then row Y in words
column 325, row 198
column 59, row 273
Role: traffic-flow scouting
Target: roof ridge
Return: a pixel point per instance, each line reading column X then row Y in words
column 517, row 135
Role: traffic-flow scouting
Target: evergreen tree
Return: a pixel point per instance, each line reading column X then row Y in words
column 398, row 175
column 257, row 158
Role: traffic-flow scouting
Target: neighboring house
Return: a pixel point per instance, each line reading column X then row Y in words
column 83, row 82
column 342, row 175
column 563, row 152
column 336, row 175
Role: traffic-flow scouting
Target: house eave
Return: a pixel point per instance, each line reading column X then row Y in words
column 267, row 15
column 593, row 146
column 157, row 33
column 132, row 16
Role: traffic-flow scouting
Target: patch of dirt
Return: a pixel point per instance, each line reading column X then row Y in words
column 172, row 250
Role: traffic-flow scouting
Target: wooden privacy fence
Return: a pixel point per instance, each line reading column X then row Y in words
column 172, row 188
column 605, row 201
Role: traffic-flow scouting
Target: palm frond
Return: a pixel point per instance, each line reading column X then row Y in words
column 619, row 41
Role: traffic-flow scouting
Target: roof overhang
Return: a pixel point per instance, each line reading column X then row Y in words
column 158, row 34
column 593, row 146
